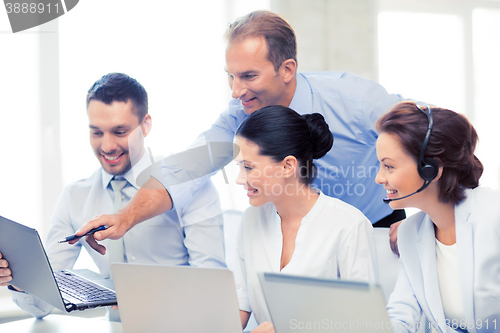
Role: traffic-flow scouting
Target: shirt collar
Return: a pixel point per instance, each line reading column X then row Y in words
column 302, row 99
column 131, row 174
column 315, row 210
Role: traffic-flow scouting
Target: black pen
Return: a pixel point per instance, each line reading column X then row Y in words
column 72, row 237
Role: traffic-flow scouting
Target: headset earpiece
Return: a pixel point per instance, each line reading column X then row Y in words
column 429, row 170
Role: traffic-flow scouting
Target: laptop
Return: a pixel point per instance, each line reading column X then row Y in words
column 154, row 298
column 304, row 304
column 65, row 290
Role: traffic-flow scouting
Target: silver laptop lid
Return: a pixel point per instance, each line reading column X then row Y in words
column 31, row 270
column 303, row 304
column 154, row 298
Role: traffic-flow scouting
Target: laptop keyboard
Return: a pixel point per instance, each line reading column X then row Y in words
column 81, row 289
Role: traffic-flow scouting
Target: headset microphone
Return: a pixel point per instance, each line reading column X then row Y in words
column 426, row 183
column 427, row 167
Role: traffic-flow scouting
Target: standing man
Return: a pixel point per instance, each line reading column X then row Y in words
column 261, row 64
column 117, row 107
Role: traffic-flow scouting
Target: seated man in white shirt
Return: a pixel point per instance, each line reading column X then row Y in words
column 117, row 107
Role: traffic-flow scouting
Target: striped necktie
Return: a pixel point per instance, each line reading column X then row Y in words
column 116, row 253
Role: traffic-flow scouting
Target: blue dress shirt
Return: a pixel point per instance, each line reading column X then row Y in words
column 350, row 104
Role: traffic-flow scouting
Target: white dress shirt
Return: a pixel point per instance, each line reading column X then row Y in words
column 335, row 240
column 160, row 240
column 449, row 281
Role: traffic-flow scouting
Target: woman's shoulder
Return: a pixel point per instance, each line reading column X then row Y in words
column 480, row 201
column 482, row 196
column 481, row 205
column 410, row 226
column 339, row 208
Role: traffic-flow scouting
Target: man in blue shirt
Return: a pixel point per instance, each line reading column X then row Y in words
column 261, row 65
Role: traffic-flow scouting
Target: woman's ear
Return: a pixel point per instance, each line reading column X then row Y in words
column 440, row 170
column 290, row 165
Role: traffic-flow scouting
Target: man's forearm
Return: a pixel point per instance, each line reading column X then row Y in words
column 151, row 200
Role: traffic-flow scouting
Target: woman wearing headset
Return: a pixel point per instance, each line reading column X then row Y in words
column 450, row 251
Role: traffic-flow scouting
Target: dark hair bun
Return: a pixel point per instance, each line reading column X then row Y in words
column 280, row 131
column 321, row 137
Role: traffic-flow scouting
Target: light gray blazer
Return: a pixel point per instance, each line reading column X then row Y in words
column 477, row 220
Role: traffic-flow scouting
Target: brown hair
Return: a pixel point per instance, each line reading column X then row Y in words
column 278, row 33
column 120, row 87
column 452, row 143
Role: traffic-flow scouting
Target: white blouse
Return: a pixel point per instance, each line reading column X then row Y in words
column 335, row 240
column 449, row 281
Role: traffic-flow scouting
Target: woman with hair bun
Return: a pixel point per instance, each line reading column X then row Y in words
column 292, row 227
column 450, row 251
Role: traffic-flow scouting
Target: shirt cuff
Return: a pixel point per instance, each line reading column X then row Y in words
column 243, row 302
column 30, row 304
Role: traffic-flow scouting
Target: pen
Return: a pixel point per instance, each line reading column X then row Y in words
column 72, row 237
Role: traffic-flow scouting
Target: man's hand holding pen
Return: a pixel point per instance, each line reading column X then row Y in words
column 115, row 229
column 75, row 237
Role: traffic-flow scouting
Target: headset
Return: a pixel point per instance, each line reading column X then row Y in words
column 427, row 167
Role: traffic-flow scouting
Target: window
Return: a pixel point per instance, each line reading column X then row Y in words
column 486, row 50
column 446, row 53
column 421, row 57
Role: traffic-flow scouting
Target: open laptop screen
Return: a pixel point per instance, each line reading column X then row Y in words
column 304, row 304
column 154, row 298
column 31, row 271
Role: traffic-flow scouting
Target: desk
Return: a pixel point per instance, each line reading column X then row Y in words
column 62, row 324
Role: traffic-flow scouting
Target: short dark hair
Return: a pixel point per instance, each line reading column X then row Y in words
column 279, row 131
column 452, row 143
column 120, row 87
column 278, row 33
